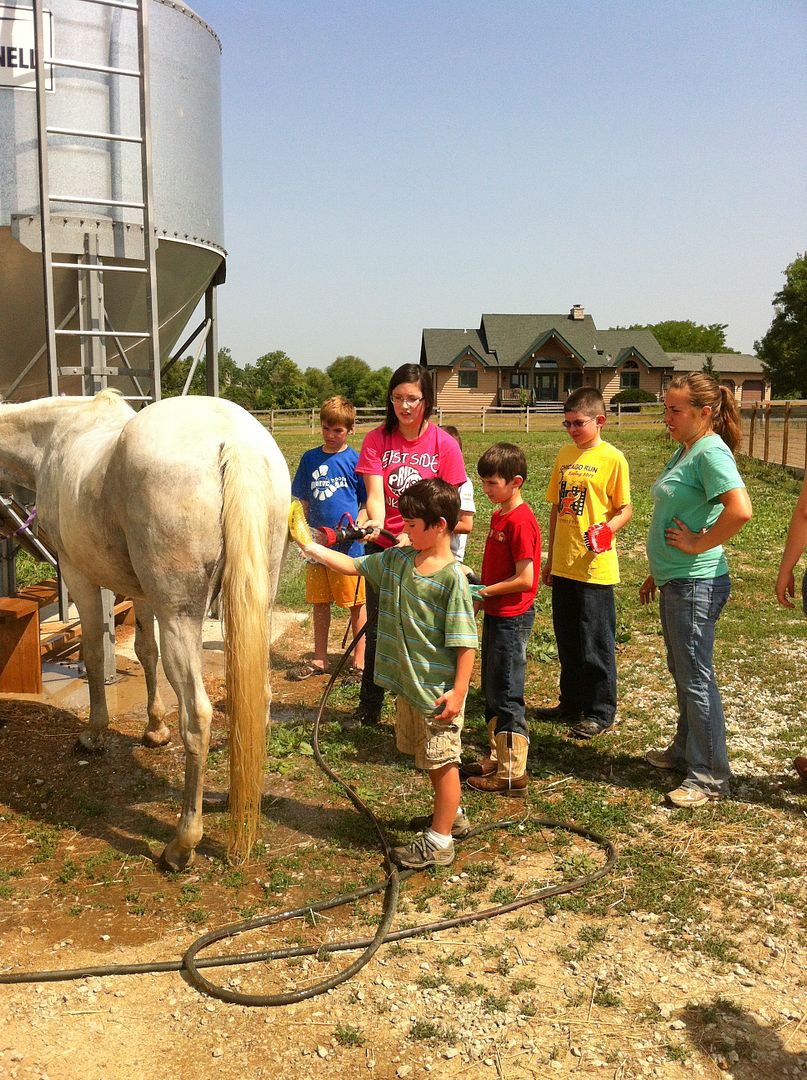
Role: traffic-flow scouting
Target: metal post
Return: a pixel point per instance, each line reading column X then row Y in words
column 212, row 344
column 149, row 241
column 91, row 317
column 44, row 198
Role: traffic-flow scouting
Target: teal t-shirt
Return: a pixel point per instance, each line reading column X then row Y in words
column 422, row 620
column 689, row 488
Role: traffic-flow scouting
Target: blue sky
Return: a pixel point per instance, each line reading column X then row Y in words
column 393, row 166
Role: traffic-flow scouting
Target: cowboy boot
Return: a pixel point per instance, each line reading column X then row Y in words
column 486, row 766
column 510, row 778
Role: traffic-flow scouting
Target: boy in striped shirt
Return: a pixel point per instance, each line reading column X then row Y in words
column 425, row 652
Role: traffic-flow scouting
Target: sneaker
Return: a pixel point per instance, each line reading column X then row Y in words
column 459, row 830
column 663, row 759
column 589, row 729
column 683, row 797
column 559, row 713
column 421, row 854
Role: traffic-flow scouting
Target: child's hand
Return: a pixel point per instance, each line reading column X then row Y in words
column 598, row 538
column 546, row 573
column 452, row 701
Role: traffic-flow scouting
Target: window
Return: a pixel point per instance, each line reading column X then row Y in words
column 519, row 378
column 629, row 376
column 665, row 383
column 572, row 380
column 468, row 377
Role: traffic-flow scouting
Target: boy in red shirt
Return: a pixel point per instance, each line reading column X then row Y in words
column 510, row 575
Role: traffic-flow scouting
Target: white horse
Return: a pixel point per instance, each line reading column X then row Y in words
column 168, row 506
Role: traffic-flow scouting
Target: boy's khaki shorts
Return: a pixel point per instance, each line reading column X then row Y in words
column 432, row 743
column 324, row 586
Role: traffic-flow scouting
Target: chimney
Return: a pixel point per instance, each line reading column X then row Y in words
column 577, row 313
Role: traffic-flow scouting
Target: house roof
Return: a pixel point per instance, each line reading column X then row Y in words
column 739, row 362
column 508, row 341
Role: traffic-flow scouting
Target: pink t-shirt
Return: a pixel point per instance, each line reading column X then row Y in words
column 402, row 463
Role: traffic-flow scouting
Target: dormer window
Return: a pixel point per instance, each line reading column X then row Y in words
column 468, row 376
column 629, row 376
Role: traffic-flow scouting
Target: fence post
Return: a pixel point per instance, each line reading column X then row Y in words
column 482, row 417
column 752, row 429
column 272, row 421
column 786, row 432
column 767, row 432
column 619, row 414
column 440, row 417
column 527, row 419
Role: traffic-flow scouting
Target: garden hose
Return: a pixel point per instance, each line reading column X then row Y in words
column 191, row 963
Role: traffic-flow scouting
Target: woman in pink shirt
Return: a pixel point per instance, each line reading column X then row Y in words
column 404, row 449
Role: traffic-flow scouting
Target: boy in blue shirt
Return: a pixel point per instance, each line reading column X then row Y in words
column 328, row 486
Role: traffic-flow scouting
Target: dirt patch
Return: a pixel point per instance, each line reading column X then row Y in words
column 549, row 991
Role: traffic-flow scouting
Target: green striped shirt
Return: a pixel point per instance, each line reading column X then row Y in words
column 422, row 620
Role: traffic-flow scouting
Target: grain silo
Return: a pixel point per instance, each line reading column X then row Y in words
column 124, row 129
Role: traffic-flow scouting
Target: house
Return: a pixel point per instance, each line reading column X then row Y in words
column 514, row 360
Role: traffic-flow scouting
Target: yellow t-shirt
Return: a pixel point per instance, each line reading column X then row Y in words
column 586, row 486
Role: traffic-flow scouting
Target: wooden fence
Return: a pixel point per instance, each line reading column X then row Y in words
column 776, row 432
column 772, row 431
column 542, row 417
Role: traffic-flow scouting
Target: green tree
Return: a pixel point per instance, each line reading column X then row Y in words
column 783, row 350
column 318, row 386
column 348, row 375
column 173, row 381
column 279, row 382
column 683, row 335
column 709, row 368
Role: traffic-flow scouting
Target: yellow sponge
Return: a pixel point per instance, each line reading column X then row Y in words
column 298, row 526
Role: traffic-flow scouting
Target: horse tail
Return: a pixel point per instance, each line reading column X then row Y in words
column 247, row 587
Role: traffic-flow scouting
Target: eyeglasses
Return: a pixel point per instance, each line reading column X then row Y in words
column 577, row 423
column 411, row 402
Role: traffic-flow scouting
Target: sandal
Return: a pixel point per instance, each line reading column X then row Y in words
column 353, row 676
column 305, row 671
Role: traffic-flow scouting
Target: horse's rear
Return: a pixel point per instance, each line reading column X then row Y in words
column 201, row 494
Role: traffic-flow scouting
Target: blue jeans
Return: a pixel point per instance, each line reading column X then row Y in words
column 584, row 620
column 689, row 610
column 504, row 668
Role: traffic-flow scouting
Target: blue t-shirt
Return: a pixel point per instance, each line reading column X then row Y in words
column 331, row 486
column 689, row 488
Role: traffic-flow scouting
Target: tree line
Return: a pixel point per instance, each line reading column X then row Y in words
column 275, row 381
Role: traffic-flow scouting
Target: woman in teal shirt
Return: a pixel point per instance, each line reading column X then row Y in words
column 699, row 502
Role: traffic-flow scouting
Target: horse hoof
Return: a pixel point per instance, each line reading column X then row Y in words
column 87, row 743
column 172, row 862
column 157, row 738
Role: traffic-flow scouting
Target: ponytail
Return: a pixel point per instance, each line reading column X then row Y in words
column 703, row 390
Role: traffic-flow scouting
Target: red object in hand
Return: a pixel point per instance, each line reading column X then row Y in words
column 597, row 538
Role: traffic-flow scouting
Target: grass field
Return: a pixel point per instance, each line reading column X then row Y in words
column 686, row 954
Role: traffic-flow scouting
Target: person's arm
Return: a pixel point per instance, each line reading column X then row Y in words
column 453, row 699
column 735, row 514
column 794, row 546
column 518, row 582
column 465, row 522
column 374, row 507
column 546, row 577
column 621, row 517
column 334, row 560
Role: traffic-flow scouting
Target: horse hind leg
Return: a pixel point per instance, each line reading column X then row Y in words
column 157, row 732
column 181, row 643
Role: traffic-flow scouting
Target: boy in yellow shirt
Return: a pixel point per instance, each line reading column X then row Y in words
column 590, row 494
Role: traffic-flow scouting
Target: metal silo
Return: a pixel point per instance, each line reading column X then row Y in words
column 93, row 102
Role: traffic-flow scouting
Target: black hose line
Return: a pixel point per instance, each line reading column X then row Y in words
column 191, row 963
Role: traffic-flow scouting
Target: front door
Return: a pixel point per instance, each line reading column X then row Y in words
column 546, row 386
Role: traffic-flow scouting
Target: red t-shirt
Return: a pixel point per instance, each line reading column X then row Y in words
column 402, row 463
column 512, row 536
